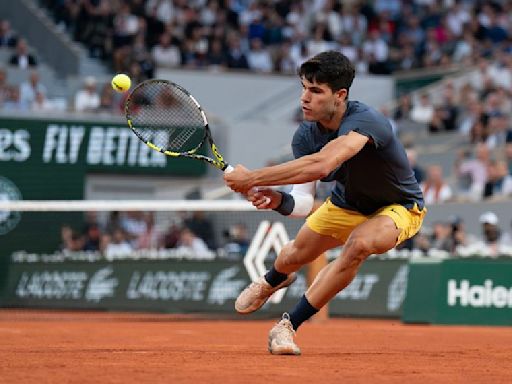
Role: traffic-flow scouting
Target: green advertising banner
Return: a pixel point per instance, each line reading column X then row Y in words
column 184, row 287
column 68, row 149
column 460, row 291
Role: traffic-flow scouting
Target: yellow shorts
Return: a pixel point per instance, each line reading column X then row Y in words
column 330, row 220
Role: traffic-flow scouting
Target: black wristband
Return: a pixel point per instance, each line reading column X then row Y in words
column 287, row 204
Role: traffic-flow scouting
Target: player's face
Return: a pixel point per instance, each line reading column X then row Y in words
column 319, row 102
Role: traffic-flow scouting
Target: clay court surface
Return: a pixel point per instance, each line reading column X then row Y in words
column 70, row 347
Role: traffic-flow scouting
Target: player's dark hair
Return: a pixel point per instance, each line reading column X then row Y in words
column 331, row 68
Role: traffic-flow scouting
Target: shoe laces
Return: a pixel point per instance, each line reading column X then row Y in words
column 285, row 331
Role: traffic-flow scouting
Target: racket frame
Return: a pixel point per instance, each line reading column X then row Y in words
column 217, row 162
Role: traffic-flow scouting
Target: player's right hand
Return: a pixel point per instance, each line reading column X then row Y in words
column 264, row 197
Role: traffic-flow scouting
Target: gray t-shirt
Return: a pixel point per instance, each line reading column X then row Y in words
column 377, row 176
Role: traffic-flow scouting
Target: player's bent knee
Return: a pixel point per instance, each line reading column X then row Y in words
column 290, row 255
column 358, row 245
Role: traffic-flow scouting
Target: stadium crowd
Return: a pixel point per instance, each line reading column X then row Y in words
column 121, row 233
column 381, row 36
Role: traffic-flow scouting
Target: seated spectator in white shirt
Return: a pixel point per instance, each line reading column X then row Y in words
column 435, row 189
column 166, row 54
column 29, row 89
column 258, row 57
column 115, row 245
column 42, row 104
column 190, row 243
column 87, row 99
column 423, row 111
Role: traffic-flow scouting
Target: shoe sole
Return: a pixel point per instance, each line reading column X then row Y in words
column 255, row 307
column 283, row 350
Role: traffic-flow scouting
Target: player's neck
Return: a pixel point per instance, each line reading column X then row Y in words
column 334, row 121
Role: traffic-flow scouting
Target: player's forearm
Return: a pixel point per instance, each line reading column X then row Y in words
column 298, row 171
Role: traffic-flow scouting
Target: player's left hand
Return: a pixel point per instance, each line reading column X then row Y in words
column 239, row 179
column 264, row 197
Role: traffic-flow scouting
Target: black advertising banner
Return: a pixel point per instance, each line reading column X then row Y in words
column 185, row 287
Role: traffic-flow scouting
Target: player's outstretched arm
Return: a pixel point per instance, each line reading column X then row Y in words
column 302, row 170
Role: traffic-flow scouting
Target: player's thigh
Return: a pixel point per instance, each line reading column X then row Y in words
column 307, row 246
column 376, row 235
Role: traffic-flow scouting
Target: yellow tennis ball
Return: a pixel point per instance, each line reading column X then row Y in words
column 121, row 82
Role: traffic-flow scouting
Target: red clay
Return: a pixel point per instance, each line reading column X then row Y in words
column 69, row 347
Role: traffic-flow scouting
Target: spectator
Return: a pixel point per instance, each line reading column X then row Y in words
column 471, row 172
column 8, row 38
column 285, row 63
column 133, row 225
column 140, row 55
column 460, row 237
column 107, row 100
column 5, row 88
column 190, row 242
column 116, row 244
column 499, row 182
column 435, row 189
column 216, row 58
column 13, row 102
column 506, row 238
column 237, row 241
column 22, row 58
column 442, row 237
column 403, row 109
column 376, row 51
column 448, row 108
column 42, row 104
column 258, row 58
column 423, row 111
column 87, row 99
column 149, row 238
column 166, row 54
column 171, row 237
column 437, row 124
column 412, row 156
column 491, row 233
column 92, row 237
column 29, row 89
column 202, row 226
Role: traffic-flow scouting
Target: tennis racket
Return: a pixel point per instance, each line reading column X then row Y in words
column 166, row 117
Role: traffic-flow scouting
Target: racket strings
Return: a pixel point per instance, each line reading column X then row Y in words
column 166, row 116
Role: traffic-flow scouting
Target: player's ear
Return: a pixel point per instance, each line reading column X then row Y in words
column 341, row 95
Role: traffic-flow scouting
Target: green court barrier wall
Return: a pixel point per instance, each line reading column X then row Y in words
column 460, row 291
column 184, row 286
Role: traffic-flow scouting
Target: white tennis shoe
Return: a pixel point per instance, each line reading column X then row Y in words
column 280, row 338
column 257, row 293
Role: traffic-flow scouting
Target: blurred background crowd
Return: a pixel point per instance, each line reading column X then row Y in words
column 382, row 37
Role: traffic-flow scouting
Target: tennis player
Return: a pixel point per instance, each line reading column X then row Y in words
column 375, row 205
